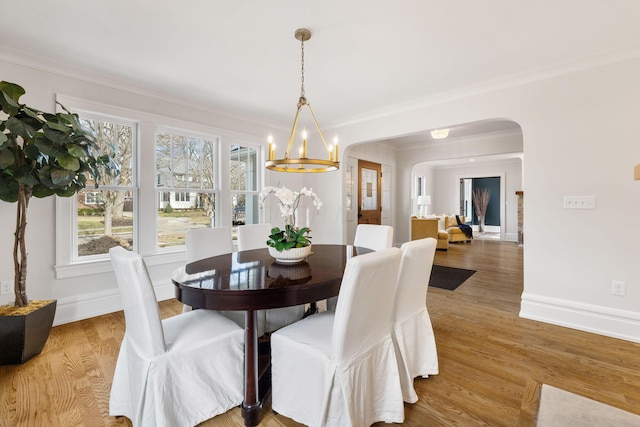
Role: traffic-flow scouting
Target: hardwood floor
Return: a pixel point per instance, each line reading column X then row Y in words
column 492, row 362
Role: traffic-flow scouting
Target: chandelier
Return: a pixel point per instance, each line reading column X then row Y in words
column 303, row 163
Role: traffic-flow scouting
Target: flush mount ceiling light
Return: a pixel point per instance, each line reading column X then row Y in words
column 439, row 133
column 303, row 163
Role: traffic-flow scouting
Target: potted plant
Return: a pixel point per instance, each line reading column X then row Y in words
column 41, row 155
column 292, row 244
column 289, row 245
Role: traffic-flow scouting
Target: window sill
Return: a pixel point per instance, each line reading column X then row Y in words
column 87, row 268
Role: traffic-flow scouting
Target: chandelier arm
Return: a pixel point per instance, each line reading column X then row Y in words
column 287, row 152
column 318, row 127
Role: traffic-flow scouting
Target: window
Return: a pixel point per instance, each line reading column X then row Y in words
column 184, row 162
column 172, row 179
column 91, row 198
column 243, row 183
column 105, row 218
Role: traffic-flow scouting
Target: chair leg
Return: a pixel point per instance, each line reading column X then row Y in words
column 313, row 309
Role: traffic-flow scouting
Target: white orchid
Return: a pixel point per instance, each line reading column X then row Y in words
column 289, row 200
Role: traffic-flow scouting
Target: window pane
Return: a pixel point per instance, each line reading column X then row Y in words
column 246, row 210
column 243, row 168
column 184, row 162
column 116, row 136
column 369, row 189
column 105, row 220
column 179, row 211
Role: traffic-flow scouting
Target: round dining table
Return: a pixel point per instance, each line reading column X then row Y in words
column 253, row 280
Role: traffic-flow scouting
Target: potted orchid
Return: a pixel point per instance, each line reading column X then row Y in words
column 291, row 244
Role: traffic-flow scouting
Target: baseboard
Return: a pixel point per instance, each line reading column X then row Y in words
column 611, row 322
column 510, row 237
column 72, row 309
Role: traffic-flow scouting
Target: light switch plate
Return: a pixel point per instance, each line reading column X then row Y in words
column 579, row 202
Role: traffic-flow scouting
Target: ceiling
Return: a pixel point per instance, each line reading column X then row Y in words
column 365, row 58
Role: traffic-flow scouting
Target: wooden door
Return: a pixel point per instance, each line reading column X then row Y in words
column 370, row 192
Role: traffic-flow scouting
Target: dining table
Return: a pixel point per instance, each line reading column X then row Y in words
column 251, row 281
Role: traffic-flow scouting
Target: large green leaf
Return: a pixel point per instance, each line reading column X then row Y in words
column 68, row 192
column 31, row 112
column 59, row 126
column 69, row 162
column 76, row 150
column 31, row 152
column 40, row 191
column 26, row 175
column 6, row 158
column 54, row 134
column 44, row 175
column 8, row 189
column 3, row 138
column 47, row 147
column 62, row 177
column 20, row 127
column 10, row 97
column 12, row 90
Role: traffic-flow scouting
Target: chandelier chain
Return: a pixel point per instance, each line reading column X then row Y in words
column 302, row 69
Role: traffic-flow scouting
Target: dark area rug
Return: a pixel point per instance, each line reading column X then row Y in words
column 448, row 277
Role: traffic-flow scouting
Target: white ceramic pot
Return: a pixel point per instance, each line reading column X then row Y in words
column 290, row 256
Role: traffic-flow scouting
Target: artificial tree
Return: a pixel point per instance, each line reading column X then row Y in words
column 42, row 155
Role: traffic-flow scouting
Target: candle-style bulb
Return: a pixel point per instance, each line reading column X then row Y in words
column 303, row 150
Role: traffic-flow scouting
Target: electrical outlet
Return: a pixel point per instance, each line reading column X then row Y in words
column 617, row 288
column 5, row 287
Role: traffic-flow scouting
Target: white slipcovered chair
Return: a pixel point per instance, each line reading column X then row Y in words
column 412, row 332
column 208, row 242
column 339, row 368
column 370, row 236
column 373, row 236
column 255, row 236
column 204, row 243
column 179, row 371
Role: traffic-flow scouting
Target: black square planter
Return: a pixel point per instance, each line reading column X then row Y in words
column 23, row 337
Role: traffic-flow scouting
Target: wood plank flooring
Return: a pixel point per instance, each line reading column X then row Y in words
column 492, row 362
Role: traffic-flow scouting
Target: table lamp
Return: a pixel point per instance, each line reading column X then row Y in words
column 423, row 202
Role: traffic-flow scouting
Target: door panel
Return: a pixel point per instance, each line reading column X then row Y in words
column 369, row 193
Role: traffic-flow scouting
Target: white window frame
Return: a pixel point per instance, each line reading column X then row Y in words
column 258, row 176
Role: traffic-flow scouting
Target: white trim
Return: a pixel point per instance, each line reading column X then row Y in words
column 612, row 322
column 72, row 309
column 86, row 268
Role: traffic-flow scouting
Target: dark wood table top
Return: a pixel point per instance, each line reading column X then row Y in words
column 253, row 280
